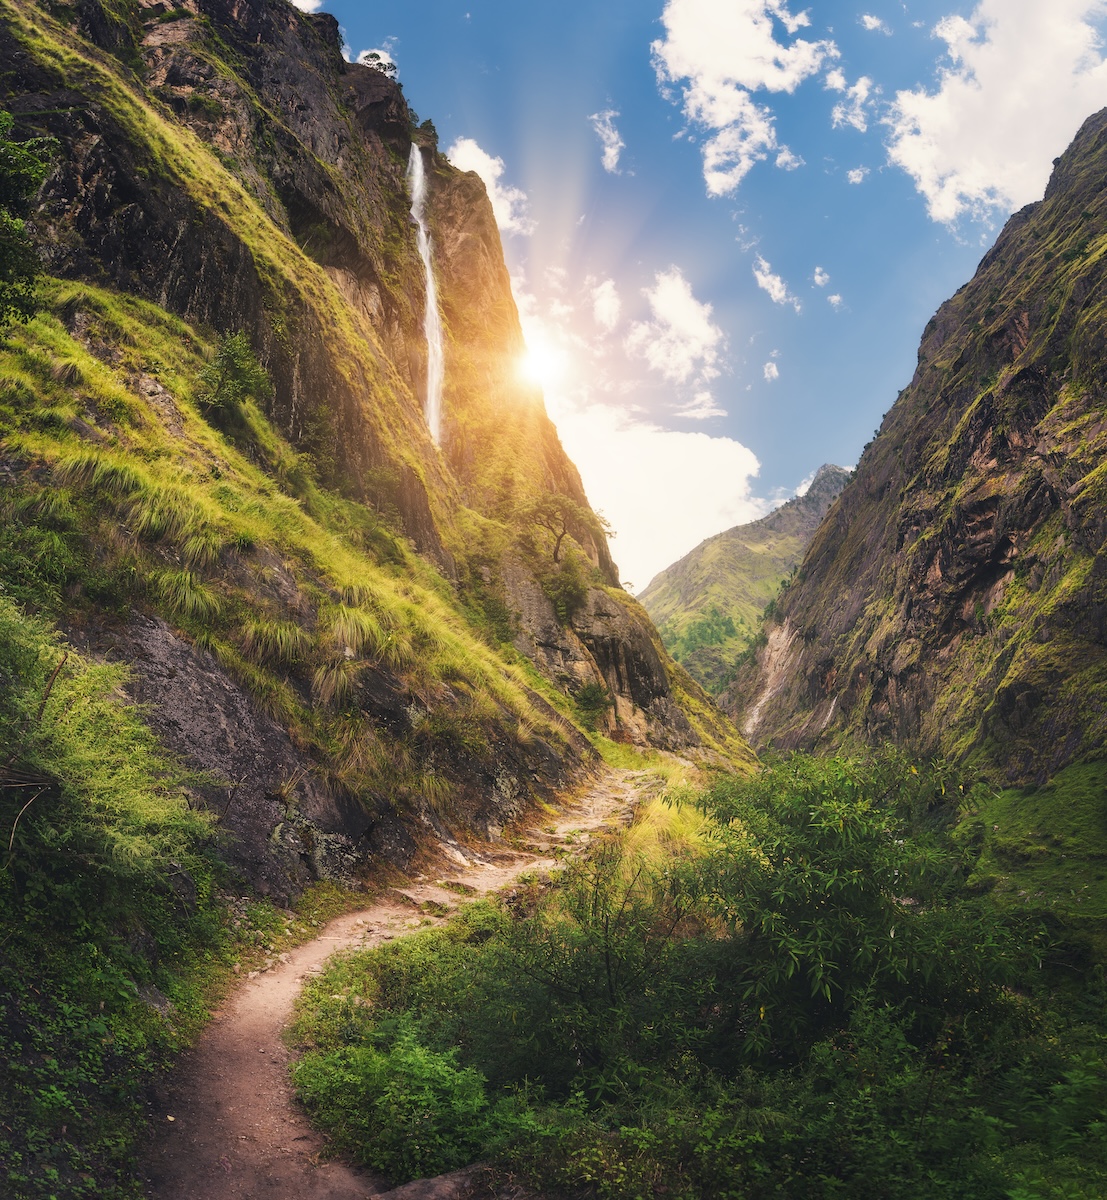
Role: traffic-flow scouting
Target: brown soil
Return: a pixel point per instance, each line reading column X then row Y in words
column 229, row 1125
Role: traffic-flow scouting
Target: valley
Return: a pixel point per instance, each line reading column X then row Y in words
column 360, row 829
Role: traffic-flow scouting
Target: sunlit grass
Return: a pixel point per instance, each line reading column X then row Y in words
column 166, row 483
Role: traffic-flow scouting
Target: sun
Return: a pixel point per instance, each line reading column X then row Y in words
column 542, row 363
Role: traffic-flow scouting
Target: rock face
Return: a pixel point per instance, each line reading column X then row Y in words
column 282, row 828
column 955, row 598
column 222, row 169
column 708, row 605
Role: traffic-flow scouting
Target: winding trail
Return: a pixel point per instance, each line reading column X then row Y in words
column 228, row 1125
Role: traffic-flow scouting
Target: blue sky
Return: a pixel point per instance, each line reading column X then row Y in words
column 727, row 221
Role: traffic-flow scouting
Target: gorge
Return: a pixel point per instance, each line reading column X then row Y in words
column 305, row 614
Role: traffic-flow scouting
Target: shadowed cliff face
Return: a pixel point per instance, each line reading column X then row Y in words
column 221, row 168
column 954, row 599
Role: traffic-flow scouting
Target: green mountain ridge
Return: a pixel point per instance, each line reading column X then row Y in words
column 707, row 606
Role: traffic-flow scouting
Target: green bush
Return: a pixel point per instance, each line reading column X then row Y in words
column 406, row 1110
column 815, row 1006
column 837, row 882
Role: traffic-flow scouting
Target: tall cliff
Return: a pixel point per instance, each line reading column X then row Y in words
column 955, row 598
column 707, row 606
column 356, row 635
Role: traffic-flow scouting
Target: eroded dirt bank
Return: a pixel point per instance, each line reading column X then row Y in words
column 236, row 1130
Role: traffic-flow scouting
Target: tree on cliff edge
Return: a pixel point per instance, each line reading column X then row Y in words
column 23, row 167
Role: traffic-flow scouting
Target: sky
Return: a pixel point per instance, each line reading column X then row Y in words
column 728, row 221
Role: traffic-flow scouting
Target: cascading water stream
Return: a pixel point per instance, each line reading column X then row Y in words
column 432, row 322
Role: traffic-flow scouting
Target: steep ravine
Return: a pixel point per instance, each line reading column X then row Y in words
column 226, row 1125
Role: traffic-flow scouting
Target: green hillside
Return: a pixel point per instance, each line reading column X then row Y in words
column 708, row 606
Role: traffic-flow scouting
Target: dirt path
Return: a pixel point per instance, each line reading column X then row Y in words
column 229, row 1126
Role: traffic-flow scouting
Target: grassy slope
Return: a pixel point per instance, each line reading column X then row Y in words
column 1045, row 849
column 115, row 934
column 124, row 502
column 515, row 433
column 707, row 612
column 708, row 606
column 293, row 281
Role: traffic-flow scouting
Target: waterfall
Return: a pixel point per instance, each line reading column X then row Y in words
column 432, row 323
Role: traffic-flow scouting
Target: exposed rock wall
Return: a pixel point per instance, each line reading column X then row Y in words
column 954, row 599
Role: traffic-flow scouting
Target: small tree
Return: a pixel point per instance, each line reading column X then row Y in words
column 559, row 515
column 233, row 374
column 378, row 62
column 23, row 167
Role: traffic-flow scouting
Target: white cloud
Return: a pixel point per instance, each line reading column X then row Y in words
column 771, row 371
column 857, row 175
column 613, row 145
column 508, row 203
column 606, row 306
column 1020, row 78
column 805, row 484
column 787, row 160
column 821, row 277
column 682, row 342
column 701, row 407
column 874, row 24
column 664, row 491
column 308, row 5
column 776, row 288
column 834, row 300
column 851, row 110
column 721, row 53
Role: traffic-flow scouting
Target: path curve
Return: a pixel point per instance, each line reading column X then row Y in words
column 236, row 1130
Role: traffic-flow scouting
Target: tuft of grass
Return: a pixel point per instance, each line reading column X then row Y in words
column 333, row 681
column 98, row 470
column 187, row 596
column 360, row 633
column 275, row 641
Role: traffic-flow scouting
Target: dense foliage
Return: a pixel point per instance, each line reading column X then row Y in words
column 23, row 166
column 810, row 1003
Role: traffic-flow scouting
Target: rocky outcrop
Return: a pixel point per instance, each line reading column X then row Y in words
column 607, row 643
column 953, row 600
column 280, row 826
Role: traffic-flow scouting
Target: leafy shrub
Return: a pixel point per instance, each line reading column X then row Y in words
column 406, row 1110
column 566, row 586
column 592, row 700
column 809, row 1006
column 834, row 883
column 233, row 375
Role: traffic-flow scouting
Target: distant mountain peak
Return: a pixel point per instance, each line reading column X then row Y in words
column 707, row 606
